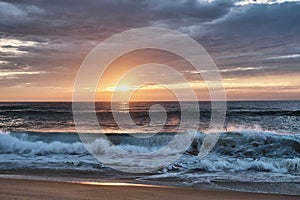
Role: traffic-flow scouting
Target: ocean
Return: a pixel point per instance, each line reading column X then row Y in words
column 258, row 150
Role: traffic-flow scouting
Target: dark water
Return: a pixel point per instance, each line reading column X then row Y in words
column 260, row 143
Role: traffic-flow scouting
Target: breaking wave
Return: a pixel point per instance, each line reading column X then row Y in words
column 236, row 150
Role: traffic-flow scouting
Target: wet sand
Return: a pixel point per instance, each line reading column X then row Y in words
column 33, row 189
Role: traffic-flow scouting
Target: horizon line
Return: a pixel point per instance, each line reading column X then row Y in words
column 63, row 101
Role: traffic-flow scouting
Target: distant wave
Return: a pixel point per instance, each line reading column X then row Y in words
column 266, row 113
column 25, row 111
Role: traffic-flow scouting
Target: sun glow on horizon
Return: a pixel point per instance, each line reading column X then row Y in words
column 122, row 88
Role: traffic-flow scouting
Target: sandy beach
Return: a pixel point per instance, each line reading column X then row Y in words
column 32, row 189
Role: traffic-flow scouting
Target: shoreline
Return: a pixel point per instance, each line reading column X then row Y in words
column 95, row 179
column 41, row 189
column 30, row 187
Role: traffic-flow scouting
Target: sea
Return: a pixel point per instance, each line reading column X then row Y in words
column 258, row 150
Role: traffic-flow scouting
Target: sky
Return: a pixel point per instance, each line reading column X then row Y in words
column 255, row 45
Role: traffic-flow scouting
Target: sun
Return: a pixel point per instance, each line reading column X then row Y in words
column 118, row 88
column 122, row 88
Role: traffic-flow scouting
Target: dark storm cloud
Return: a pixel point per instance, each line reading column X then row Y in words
column 261, row 19
column 91, row 19
column 254, row 35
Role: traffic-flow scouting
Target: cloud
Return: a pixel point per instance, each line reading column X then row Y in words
column 14, row 47
column 245, row 38
column 270, row 2
column 94, row 19
column 13, row 74
column 12, row 15
column 9, row 10
column 258, row 35
column 283, row 57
